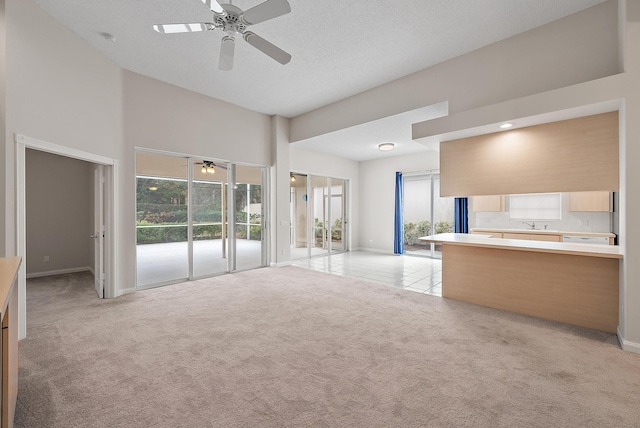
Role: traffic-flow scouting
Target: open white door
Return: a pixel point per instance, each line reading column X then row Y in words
column 98, row 228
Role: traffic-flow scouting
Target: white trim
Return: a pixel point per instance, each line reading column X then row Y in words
column 56, row 149
column 22, row 143
column 627, row 345
column 281, row 264
column 59, row 272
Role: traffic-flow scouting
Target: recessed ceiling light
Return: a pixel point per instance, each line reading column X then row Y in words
column 108, row 37
column 385, row 147
column 506, row 125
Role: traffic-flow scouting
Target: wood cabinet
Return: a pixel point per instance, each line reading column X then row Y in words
column 492, row 234
column 548, row 238
column 533, row 237
column 591, row 201
column 9, row 312
column 487, row 203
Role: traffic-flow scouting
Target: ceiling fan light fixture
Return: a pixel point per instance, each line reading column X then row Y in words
column 208, row 167
column 385, row 147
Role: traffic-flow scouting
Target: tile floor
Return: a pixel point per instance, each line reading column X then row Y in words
column 419, row 274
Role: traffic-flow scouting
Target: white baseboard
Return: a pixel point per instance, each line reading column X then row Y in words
column 281, row 264
column 58, row 272
column 627, row 345
column 126, row 291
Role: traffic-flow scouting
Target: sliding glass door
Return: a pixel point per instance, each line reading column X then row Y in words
column 196, row 218
column 208, row 214
column 425, row 213
column 318, row 215
column 249, row 217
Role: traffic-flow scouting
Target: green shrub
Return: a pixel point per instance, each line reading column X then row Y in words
column 413, row 231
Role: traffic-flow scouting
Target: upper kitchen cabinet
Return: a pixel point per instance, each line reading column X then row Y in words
column 572, row 155
column 591, row 201
column 487, row 203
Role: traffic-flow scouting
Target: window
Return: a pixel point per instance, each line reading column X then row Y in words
column 536, row 206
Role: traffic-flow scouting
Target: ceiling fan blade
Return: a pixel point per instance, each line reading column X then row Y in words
column 214, row 6
column 227, row 51
column 183, row 28
column 267, row 47
column 264, row 11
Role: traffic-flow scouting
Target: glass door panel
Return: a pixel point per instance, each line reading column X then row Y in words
column 299, row 219
column 417, row 214
column 425, row 213
column 249, row 217
column 320, row 214
column 162, row 254
column 209, row 218
column 337, row 215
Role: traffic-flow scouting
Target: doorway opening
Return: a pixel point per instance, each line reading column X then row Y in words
column 425, row 213
column 318, row 215
column 102, row 204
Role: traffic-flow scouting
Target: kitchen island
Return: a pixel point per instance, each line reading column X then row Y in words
column 571, row 283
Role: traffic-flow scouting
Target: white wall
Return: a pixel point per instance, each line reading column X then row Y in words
column 377, row 193
column 574, row 49
column 59, row 90
column 314, row 163
column 59, row 222
column 3, row 122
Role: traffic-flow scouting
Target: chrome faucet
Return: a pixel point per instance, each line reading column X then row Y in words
column 531, row 225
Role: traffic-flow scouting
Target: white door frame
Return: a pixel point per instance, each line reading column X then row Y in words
column 111, row 199
column 99, row 229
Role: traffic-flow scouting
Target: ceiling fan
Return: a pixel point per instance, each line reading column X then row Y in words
column 233, row 21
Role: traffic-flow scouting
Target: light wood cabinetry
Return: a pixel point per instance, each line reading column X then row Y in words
column 533, row 237
column 591, row 201
column 548, row 238
column 575, row 289
column 9, row 307
column 492, row 234
column 488, row 203
column 565, row 156
column 539, row 235
column 514, row 235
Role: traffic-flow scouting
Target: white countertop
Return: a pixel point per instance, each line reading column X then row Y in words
column 475, row 240
column 542, row 232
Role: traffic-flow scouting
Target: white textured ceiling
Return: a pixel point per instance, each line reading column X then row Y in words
column 339, row 47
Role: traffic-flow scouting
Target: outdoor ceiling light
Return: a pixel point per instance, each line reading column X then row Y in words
column 208, row 167
column 385, row 147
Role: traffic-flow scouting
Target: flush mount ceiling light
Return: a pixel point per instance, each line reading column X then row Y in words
column 108, row 37
column 385, row 147
column 506, row 125
column 208, row 167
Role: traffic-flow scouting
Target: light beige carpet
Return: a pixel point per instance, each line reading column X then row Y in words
column 289, row 347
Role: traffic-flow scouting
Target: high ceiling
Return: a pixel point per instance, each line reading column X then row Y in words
column 339, row 47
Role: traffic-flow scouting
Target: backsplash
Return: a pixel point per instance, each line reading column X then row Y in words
column 570, row 222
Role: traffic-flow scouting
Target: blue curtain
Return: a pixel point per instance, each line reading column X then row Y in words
column 398, row 223
column 461, row 218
